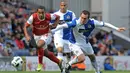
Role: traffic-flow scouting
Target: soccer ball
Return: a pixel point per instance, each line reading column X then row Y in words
column 17, row 61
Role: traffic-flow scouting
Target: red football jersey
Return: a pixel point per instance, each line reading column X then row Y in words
column 41, row 27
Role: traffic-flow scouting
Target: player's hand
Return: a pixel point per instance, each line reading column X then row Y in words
column 28, row 38
column 121, row 29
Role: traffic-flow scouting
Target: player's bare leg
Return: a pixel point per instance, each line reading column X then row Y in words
column 60, row 53
column 40, row 44
column 94, row 63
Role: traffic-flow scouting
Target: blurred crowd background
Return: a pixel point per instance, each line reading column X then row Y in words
column 13, row 15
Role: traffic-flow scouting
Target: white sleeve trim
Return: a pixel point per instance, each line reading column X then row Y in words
column 53, row 16
column 30, row 20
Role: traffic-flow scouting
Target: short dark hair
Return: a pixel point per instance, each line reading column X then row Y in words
column 85, row 12
column 41, row 7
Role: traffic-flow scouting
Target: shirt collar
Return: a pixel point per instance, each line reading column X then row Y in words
column 63, row 13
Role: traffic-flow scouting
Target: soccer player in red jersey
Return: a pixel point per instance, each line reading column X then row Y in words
column 41, row 32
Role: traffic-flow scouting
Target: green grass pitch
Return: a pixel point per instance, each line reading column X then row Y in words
column 59, row 72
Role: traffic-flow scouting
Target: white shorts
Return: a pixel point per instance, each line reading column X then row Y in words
column 81, row 49
column 47, row 38
column 59, row 42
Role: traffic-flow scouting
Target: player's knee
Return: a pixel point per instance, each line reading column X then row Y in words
column 60, row 49
column 40, row 44
column 81, row 58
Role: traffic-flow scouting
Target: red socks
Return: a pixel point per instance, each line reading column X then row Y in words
column 52, row 57
column 40, row 55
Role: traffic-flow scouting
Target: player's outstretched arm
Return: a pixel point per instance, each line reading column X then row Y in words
column 59, row 27
column 120, row 29
column 71, row 24
column 101, row 23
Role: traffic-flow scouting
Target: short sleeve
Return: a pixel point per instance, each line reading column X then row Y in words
column 30, row 20
column 53, row 16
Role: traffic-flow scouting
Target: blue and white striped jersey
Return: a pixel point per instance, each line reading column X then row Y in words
column 64, row 17
column 81, row 32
